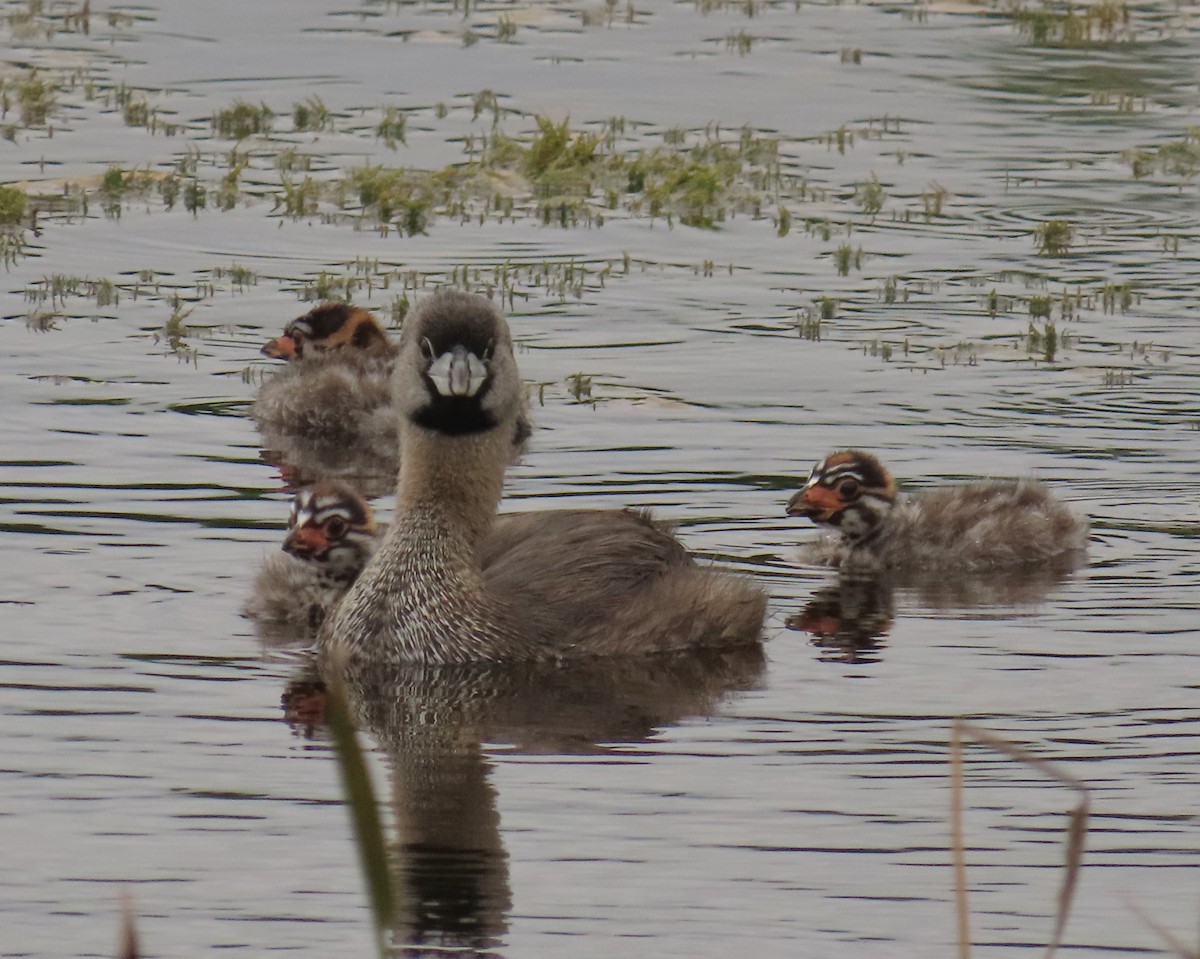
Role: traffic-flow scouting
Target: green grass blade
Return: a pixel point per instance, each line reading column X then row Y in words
column 364, row 810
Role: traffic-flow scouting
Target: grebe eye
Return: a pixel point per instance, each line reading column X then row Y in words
column 336, row 527
column 848, row 488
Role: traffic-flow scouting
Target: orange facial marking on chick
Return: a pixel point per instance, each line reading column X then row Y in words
column 306, row 541
column 281, row 348
column 820, row 500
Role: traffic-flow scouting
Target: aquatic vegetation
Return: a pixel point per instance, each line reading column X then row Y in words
column 1040, row 307
column 240, row 277
column 13, row 246
column 311, row 115
column 841, row 137
column 558, row 174
column 328, row 286
column 13, row 203
column 229, row 189
column 400, row 198
column 705, row 182
column 741, row 43
column 1044, row 341
column 298, row 199
column 195, row 197
column 845, row 256
column 1067, row 25
column 749, row 8
column 486, row 101
column 391, row 129
column 1054, row 237
column 606, row 16
column 784, row 222
column 934, row 199
column 37, row 19
column 808, row 325
column 556, row 150
column 1117, row 296
column 137, row 113
column 1179, row 159
column 56, row 288
column 242, row 119
column 174, row 334
column 888, row 293
column 579, row 385
column 1121, row 102
column 36, row 98
column 43, row 321
column 870, row 195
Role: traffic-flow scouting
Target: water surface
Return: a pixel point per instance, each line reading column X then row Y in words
column 793, row 806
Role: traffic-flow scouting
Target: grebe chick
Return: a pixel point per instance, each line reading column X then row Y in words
column 330, row 409
column 567, row 584
column 988, row 524
column 328, row 328
column 337, row 382
column 331, row 535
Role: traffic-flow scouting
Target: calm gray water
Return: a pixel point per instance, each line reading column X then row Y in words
column 794, row 806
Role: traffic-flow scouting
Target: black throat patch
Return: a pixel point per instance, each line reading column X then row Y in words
column 455, row 415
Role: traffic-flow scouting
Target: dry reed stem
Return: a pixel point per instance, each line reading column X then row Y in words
column 1076, row 828
column 127, row 938
column 1165, row 934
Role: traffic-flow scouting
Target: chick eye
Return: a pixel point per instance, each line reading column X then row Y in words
column 848, row 488
column 336, row 527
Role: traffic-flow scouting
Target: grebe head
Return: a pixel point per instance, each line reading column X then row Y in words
column 328, row 327
column 333, row 525
column 850, row 490
column 456, row 374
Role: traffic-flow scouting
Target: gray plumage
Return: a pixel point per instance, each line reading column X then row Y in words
column 291, row 597
column 555, row 584
column 331, row 536
column 978, row 526
column 343, row 394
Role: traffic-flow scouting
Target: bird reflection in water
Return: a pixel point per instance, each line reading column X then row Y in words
column 849, row 618
column 449, row 864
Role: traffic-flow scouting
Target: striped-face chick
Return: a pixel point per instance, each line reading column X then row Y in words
column 849, row 490
column 329, row 327
column 332, row 525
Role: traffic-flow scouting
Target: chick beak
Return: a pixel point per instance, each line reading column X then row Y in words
column 814, row 502
column 307, row 542
column 281, row 348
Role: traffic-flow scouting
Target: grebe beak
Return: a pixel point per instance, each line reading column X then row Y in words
column 306, row 542
column 280, row 348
